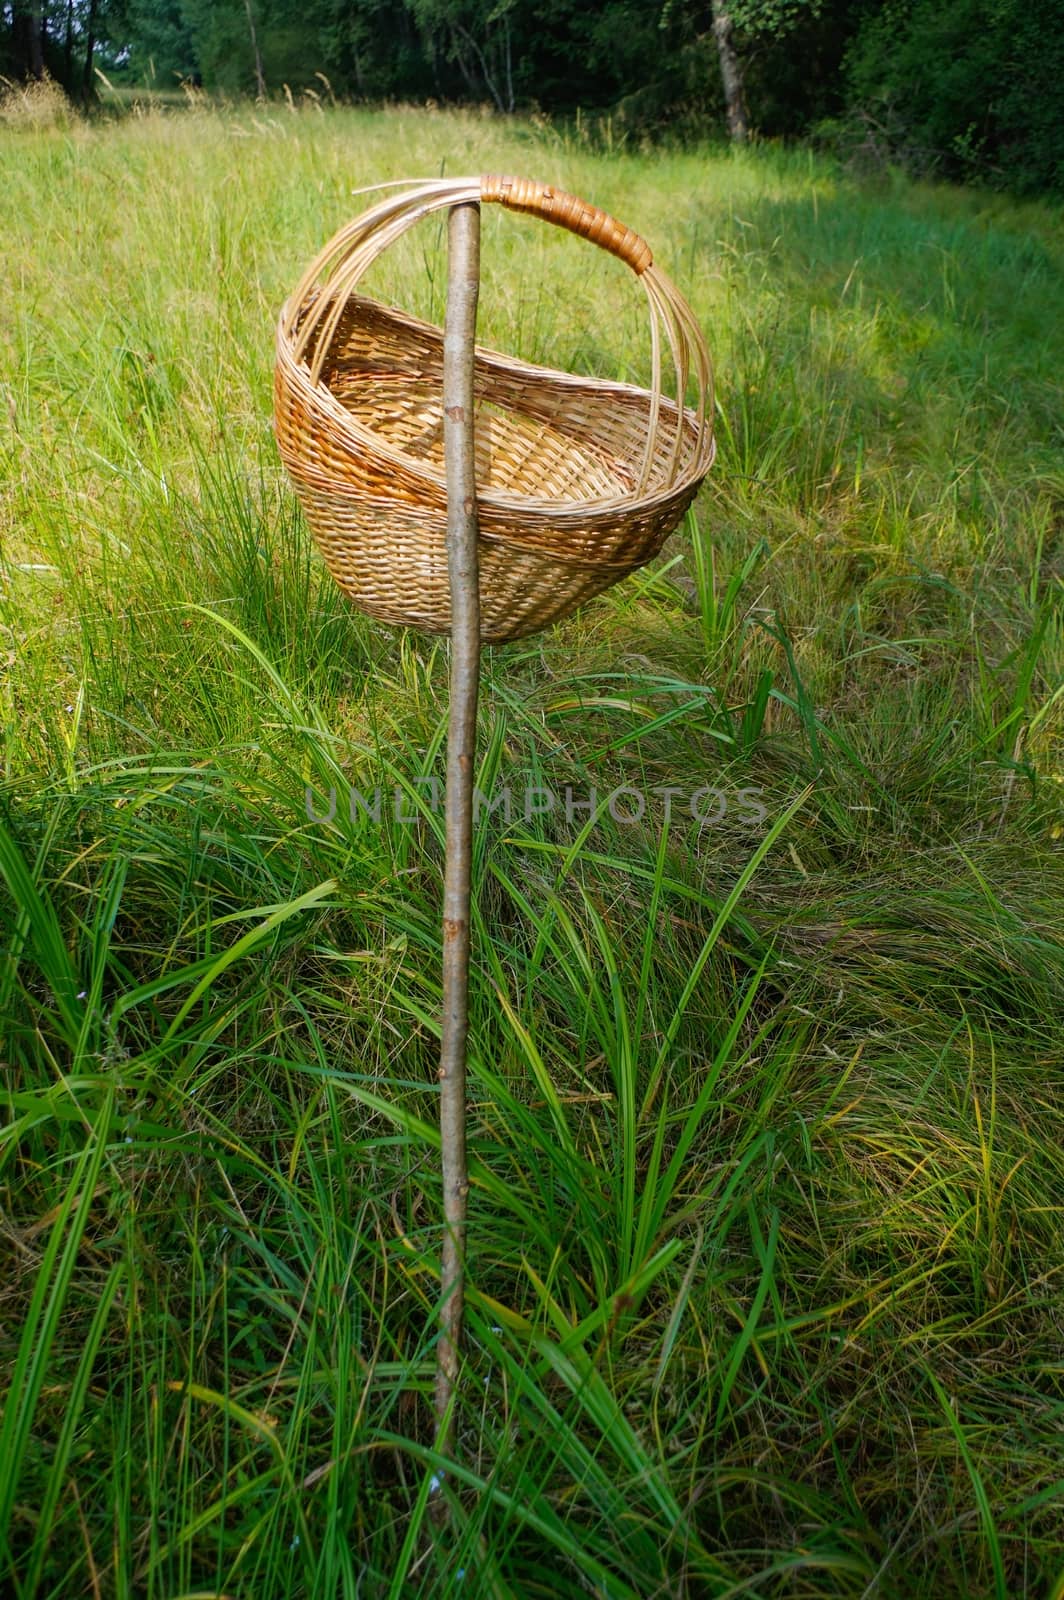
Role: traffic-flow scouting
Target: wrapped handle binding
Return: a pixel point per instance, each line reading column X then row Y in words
column 567, row 211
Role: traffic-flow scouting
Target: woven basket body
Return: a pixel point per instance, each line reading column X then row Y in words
column 579, row 481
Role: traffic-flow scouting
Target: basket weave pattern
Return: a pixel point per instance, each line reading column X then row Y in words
column 579, row 480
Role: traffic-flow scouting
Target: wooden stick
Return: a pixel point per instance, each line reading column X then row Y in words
column 463, row 285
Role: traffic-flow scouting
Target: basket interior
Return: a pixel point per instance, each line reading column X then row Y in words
column 539, row 434
column 514, row 452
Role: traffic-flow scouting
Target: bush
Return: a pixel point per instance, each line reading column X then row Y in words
column 971, row 87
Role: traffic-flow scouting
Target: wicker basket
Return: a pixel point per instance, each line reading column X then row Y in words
column 579, row 481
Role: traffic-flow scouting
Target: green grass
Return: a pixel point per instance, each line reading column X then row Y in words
column 767, row 1120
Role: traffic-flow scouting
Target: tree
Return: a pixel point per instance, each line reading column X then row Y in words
column 87, row 84
column 731, row 72
column 260, row 76
column 57, row 38
column 476, row 36
column 740, row 29
column 25, row 45
column 160, row 43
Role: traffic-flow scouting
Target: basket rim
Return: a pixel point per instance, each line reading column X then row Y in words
column 356, row 436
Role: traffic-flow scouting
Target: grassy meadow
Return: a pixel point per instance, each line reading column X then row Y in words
column 767, row 1116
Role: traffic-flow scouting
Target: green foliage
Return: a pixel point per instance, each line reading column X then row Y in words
column 162, row 40
column 777, row 18
column 970, row 87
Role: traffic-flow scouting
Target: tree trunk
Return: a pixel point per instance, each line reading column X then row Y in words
column 731, row 73
column 457, row 35
column 35, row 41
column 90, row 46
column 509, row 59
column 459, row 32
column 68, row 50
column 260, row 76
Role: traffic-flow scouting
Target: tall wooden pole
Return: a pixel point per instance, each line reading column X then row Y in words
column 463, row 285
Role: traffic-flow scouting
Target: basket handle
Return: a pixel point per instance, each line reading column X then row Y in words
column 566, row 211
column 312, row 313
